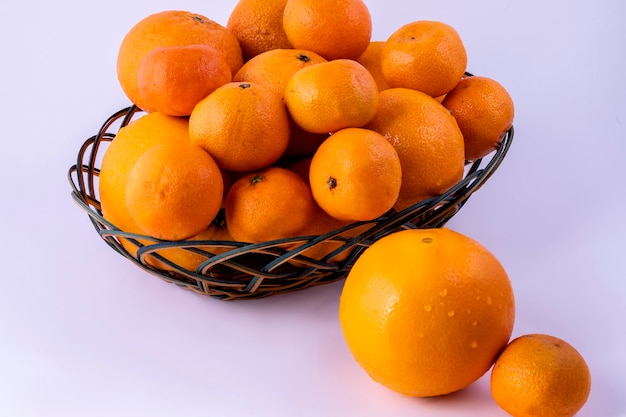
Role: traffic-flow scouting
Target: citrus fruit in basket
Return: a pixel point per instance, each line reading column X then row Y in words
column 171, row 28
column 355, row 175
column 274, row 68
column 332, row 95
column 424, row 55
column 174, row 191
column 540, row 375
column 243, row 125
column 425, row 312
column 191, row 259
column 370, row 59
column 332, row 28
column 427, row 140
column 130, row 143
column 484, row 111
column 173, row 79
column 258, row 25
column 273, row 203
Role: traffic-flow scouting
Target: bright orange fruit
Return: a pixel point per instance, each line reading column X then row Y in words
column 174, row 191
column 243, row 125
column 258, row 25
column 484, row 111
column 355, row 174
column 331, row 96
column 424, row 55
column 427, row 140
column 171, row 28
column 425, row 312
column 332, row 28
column 173, row 79
column 540, row 375
column 270, row 204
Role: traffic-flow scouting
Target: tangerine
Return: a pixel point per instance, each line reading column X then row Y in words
column 173, row 79
column 424, row 55
column 355, row 174
column 332, row 28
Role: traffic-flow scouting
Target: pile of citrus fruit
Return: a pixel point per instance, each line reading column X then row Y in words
column 290, row 120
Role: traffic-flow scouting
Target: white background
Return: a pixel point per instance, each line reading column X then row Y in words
column 85, row 333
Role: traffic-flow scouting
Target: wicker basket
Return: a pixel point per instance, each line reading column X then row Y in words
column 236, row 270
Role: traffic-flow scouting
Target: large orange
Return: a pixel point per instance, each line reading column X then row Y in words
column 425, row 312
column 130, row 143
column 332, row 95
column 424, row 55
column 484, row 111
column 258, row 25
column 243, row 125
column 332, row 28
column 273, row 203
column 355, row 175
column 540, row 375
column 274, row 68
column 171, row 28
column 427, row 140
column 173, row 79
column 174, row 191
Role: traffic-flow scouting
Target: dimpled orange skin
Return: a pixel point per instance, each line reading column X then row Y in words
column 174, row 191
column 173, row 79
column 332, row 28
column 273, row 203
column 274, row 68
column 258, row 25
column 171, row 28
column 130, row 143
column 331, row 96
column 243, row 125
column 425, row 312
column 424, row 55
column 355, row 175
column 484, row 111
column 539, row 375
column 428, row 141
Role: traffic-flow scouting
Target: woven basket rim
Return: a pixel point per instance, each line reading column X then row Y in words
column 272, row 277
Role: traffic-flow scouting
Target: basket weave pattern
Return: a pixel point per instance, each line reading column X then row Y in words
column 245, row 270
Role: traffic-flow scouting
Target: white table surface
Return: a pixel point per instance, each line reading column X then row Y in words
column 83, row 332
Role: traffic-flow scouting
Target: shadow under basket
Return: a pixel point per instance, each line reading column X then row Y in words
column 230, row 270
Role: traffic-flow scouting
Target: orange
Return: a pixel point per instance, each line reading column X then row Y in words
column 171, row 28
column 273, row 203
column 355, row 175
column 174, row 191
column 332, row 95
column 484, row 111
column 539, row 375
column 274, row 68
column 189, row 259
column 173, row 79
column 425, row 312
column 332, row 28
column 427, row 140
column 244, row 126
column 130, row 143
column 370, row 59
column 323, row 223
column 424, row 55
column 258, row 25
